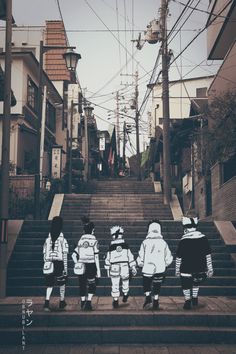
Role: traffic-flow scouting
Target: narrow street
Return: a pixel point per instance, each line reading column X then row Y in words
column 118, row 176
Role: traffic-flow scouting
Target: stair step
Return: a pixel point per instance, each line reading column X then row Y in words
column 29, row 272
column 123, row 318
column 37, row 256
column 104, row 281
column 121, row 334
column 134, row 290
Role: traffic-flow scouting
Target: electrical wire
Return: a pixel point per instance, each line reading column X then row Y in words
column 190, row 14
column 104, row 120
column 126, row 51
column 178, row 19
column 113, row 77
column 60, row 12
column 118, row 12
column 118, row 26
column 100, row 19
column 207, row 70
column 132, row 33
column 204, row 11
column 195, row 37
column 199, row 33
column 149, row 89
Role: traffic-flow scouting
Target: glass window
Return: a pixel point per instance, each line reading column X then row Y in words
column 51, row 117
column 32, row 95
column 229, row 169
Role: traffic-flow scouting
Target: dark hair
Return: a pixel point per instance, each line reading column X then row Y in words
column 85, row 220
column 88, row 228
column 152, row 221
column 56, row 228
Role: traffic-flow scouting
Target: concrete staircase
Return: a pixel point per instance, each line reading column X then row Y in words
column 132, row 207
column 25, row 276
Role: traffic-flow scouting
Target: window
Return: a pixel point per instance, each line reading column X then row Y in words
column 51, row 117
column 201, row 92
column 32, row 95
column 29, row 162
column 229, row 169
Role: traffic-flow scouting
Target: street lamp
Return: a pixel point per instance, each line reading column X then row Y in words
column 71, row 59
column 87, row 115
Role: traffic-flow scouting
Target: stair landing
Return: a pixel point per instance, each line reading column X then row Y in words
column 213, row 322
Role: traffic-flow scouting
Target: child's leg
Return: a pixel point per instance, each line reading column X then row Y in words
column 62, row 292
column 91, row 288
column 48, row 293
column 46, row 302
column 187, row 283
column 147, row 282
column 115, row 290
column 91, row 271
column 158, row 279
column 82, row 286
column 195, row 291
column 124, row 272
column 125, row 286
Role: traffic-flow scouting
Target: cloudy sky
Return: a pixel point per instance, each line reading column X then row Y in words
column 106, row 53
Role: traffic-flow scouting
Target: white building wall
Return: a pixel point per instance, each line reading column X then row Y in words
column 17, row 76
column 180, row 93
column 24, row 38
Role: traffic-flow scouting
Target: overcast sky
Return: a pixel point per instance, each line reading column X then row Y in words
column 87, row 23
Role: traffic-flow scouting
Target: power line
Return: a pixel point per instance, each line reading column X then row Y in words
column 204, row 11
column 178, row 19
column 207, row 70
column 74, row 30
column 118, row 26
column 110, row 110
column 60, row 12
column 148, row 91
column 190, row 14
column 113, row 77
column 111, row 32
column 200, row 32
column 111, row 7
column 104, row 120
column 126, row 52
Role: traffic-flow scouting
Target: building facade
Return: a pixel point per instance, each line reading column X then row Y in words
column 221, row 36
column 25, row 68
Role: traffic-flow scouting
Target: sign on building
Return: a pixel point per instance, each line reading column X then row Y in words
column 102, row 143
column 150, row 125
column 56, row 161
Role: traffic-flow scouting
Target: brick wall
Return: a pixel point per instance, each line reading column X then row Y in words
column 22, row 186
column 223, row 196
column 55, row 65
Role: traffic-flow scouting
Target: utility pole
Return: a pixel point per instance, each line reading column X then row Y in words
column 117, row 124
column 124, row 136
column 165, row 102
column 137, row 127
column 86, row 167
column 42, row 137
column 70, row 149
column 39, row 121
column 5, row 151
